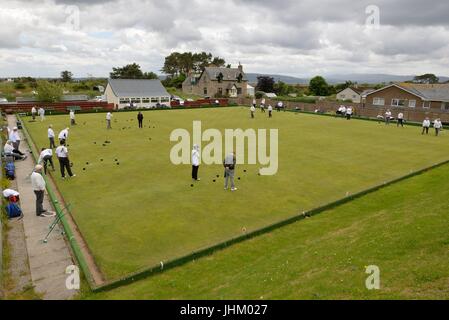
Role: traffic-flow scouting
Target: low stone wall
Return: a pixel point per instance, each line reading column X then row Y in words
column 411, row 115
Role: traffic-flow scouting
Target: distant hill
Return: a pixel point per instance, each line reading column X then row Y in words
column 252, row 78
column 372, row 78
column 336, row 78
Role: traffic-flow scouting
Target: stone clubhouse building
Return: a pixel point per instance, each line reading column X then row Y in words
column 217, row 82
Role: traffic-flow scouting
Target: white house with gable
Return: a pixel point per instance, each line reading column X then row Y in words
column 140, row 93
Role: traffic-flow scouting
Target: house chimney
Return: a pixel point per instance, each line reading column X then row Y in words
column 240, row 67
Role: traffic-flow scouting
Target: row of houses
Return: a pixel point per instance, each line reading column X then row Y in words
column 401, row 95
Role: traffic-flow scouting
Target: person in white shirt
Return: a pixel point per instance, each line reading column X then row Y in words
column 343, row 111
column 46, row 157
column 108, row 120
column 438, row 125
column 254, row 103
column 229, row 163
column 400, row 119
column 64, row 163
column 252, row 109
column 279, row 106
column 387, row 117
column 38, row 185
column 425, row 126
column 9, row 150
column 270, row 111
column 195, row 162
column 33, row 113
column 15, row 138
column 63, row 136
column 348, row 113
column 51, row 136
column 42, row 113
column 72, row 118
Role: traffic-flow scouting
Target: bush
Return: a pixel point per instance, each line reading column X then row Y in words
column 19, row 86
column 259, row 94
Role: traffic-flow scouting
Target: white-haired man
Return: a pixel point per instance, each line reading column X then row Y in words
column 38, row 185
column 195, row 162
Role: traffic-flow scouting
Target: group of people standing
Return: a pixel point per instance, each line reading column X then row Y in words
column 345, row 112
column 40, row 112
column 279, row 106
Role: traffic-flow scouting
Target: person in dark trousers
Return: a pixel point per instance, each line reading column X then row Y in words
column 425, row 126
column 140, row 119
column 38, row 185
column 63, row 156
column 229, row 164
column 46, row 157
column 400, row 119
column 195, row 162
column 270, row 111
column 51, row 137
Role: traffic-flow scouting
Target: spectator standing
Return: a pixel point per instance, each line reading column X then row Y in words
column 38, row 184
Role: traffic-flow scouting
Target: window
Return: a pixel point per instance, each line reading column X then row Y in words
column 343, row 96
column 205, row 90
column 135, row 100
column 220, row 91
column 124, row 100
column 154, row 100
column 445, row 106
column 145, row 100
column 412, row 103
column 378, row 101
column 398, row 103
column 239, row 90
column 165, row 99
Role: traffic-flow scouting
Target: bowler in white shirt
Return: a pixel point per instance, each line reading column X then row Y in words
column 195, row 162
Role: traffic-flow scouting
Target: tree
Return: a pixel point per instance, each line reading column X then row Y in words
column 342, row 86
column 428, row 78
column 131, row 71
column 48, row 92
column 181, row 63
column 66, row 76
column 150, row 75
column 265, row 84
column 318, row 86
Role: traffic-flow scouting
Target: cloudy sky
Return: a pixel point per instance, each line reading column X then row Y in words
column 292, row 37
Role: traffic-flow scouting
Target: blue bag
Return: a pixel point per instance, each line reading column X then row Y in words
column 13, row 210
column 10, row 170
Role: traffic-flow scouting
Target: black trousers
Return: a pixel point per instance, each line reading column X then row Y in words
column 48, row 159
column 400, row 122
column 141, row 123
column 39, row 202
column 269, row 114
column 52, row 143
column 64, row 163
column 425, row 129
column 195, row 172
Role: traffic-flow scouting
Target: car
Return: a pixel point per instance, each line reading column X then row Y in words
column 3, row 100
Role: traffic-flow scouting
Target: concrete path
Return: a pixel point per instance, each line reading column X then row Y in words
column 48, row 262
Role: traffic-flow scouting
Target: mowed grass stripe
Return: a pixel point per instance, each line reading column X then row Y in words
column 402, row 229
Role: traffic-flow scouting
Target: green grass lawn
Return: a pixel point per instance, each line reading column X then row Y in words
column 402, row 229
column 143, row 211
